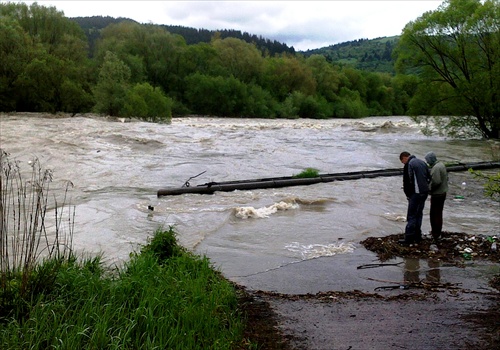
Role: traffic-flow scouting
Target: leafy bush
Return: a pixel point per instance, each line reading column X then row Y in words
column 492, row 185
column 163, row 245
column 147, row 103
column 228, row 97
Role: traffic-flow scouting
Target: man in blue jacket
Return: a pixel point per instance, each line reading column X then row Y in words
column 416, row 179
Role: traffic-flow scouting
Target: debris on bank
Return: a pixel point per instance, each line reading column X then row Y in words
column 452, row 247
column 455, row 248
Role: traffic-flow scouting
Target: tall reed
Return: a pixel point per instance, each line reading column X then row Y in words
column 26, row 233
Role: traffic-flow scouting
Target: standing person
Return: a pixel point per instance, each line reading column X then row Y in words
column 437, row 189
column 416, row 178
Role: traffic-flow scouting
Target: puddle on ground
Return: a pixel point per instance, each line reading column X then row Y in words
column 380, row 265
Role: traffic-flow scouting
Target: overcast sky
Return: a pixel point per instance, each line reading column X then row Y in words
column 301, row 24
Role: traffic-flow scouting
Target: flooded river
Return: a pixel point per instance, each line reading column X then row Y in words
column 118, row 167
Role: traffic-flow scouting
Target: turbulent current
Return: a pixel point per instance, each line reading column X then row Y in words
column 117, row 168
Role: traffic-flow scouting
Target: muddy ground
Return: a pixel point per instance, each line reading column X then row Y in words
column 421, row 314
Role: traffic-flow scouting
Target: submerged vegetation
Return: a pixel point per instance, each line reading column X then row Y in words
column 307, row 173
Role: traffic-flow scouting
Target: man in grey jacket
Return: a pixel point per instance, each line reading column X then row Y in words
column 416, row 178
column 437, row 189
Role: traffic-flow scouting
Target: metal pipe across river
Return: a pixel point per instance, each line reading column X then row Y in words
column 287, row 181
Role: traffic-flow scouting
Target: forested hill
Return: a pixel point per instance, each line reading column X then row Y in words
column 93, row 25
column 373, row 55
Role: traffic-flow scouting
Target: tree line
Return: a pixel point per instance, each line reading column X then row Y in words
column 146, row 71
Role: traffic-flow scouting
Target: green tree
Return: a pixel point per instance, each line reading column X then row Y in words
column 112, row 86
column 307, row 106
column 228, row 97
column 404, row 87
column 40, row 84
column 160, row 52
column 350, row 105
column 117, row 38
column 239, row 59
column 43, row 54
column 199, row 58
column 145, row 102
column 152, row 54
column 286, row 74
column 379, row 94
column 14, row 54
column 215, row 95
column 259, row 103
column 457, row 51
column 75, row 98
column 327, row 76
column 355, row 81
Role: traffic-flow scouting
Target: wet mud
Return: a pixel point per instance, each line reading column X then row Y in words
column 420, row 314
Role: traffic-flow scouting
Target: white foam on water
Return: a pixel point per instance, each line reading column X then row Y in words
column 311, row 251
column 265, row 212
column 395, row 217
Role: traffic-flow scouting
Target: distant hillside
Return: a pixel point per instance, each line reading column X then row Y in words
column 373, row 55
column 92, row 27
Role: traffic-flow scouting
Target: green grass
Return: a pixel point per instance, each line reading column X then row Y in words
column 307, row 173
column 163, row 298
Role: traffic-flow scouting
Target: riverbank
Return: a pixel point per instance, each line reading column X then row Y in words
column 419, row 314
column 417, row 320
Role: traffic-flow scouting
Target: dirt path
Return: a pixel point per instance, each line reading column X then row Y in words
column 435, row 322
column 395, row 319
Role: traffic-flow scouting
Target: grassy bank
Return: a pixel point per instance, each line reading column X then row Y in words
column 163, row 298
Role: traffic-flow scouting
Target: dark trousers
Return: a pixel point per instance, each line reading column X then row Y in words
column 416, row 204
column 436, row 214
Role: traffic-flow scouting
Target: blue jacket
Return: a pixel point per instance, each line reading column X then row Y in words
column 416, row 177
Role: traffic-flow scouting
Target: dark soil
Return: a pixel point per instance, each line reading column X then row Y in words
column 445, row 316
column 262, row 324
column 452, row 248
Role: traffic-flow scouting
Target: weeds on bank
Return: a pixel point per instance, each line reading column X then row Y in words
column 163, row 298
column 174, row 301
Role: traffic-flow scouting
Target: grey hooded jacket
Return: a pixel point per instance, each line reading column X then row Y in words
column 439, row 175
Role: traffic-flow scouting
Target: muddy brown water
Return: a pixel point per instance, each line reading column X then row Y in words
column 117, row 167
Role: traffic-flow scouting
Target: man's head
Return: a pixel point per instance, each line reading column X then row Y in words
column 403, row 157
